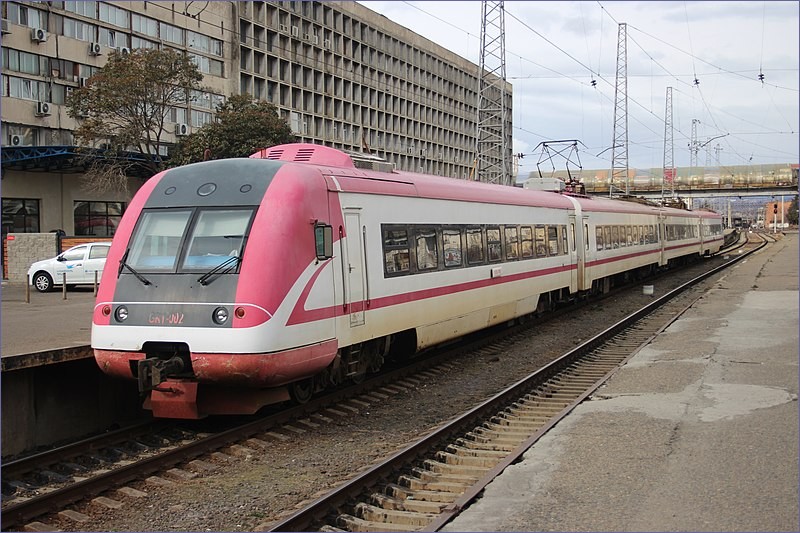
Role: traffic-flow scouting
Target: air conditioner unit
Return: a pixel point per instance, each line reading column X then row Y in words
column 295, row 31
column 307, row 36
column 315, row 40
column 38, row 35
column 94, row 49
column 423, row 152
column 283, row 27
column 410, row 150
column 6, row 28
column 16, row 140
column 327, row 43
column 181, row 130
column 124, row 50
column 42, row 109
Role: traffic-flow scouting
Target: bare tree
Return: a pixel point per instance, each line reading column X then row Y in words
column 123, row 110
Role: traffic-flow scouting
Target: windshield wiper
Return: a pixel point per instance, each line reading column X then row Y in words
column 123, row 264
column 222, row 268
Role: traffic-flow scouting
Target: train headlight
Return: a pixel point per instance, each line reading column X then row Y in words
column 121, row 314
column 220, row 315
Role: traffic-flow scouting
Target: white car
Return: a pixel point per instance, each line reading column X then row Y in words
column 79, row 263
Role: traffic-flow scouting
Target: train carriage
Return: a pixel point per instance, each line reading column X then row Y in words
column 237, row 283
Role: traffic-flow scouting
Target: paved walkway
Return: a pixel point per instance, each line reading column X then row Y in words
column 698, row 432
column 48, row 322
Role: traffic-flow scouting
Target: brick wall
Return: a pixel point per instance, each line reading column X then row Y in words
column 25, row 248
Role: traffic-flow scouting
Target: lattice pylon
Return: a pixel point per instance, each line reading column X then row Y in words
column 619, row 154
column 668, row 183
column 493, row 153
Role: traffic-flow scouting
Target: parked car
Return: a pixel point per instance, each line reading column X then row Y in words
column 79, row 263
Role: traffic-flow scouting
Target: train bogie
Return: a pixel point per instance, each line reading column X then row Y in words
column 299, row 270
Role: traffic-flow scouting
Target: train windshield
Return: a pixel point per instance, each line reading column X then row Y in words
column 188, row 240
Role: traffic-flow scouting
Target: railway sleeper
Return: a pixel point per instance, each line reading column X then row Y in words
column 493, row 437
column 384, row 501
column 540, row 405
column 398, row 491
column 421, row 485
column 486, row 446
column 513, row 429
column 456, row 459
column 351, row 523
column 471, row 452
column 455, row 469
column 521, row 421
column 446, row 477
column 373, row 513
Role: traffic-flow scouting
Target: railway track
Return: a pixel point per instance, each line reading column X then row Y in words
column 427, row 484
column 46, row 483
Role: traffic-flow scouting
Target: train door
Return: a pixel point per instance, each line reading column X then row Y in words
column 578, row 251
column 353, row 264
column 575, row 253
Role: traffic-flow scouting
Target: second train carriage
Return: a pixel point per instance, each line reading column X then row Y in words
column 236, row 283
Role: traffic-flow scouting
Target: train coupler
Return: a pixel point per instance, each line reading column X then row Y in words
column 152, row 372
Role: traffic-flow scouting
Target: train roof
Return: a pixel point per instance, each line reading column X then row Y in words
column 343, row 175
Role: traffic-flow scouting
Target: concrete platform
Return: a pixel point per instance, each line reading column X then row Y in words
column 47, row 324
column 698, row 432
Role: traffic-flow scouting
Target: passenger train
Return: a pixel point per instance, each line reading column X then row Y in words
column 237, row 283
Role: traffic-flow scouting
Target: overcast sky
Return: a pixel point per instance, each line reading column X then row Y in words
column 555, row 49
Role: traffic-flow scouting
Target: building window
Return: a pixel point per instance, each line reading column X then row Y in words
column 200, row 118
column 20, row 215
column 79, row 30
column 25, row 16
column 87, row 8
column 203, row 43
column 97, row 218
column 114, row 15
column 114, row 38
column 145, row 25
column 170, row 33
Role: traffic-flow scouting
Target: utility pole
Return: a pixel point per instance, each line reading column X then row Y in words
column 493, row 150
column 668, row 183
column 693, row 147
column 619, row 157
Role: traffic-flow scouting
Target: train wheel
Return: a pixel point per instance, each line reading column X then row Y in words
column 302, row 391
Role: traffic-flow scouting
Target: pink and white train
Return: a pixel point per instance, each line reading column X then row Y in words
column 237, row 283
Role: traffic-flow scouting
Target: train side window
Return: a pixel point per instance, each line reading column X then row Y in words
column 641, row 234
column 607, row 236
column 526, row 241
column 395, row 251
column 451, row 243
column 494, row 246
column 635, row 238
column 622, row 242
column 628, row 236
column 598, row 235
column 323, row 241
column 585, row 237
column 427, row 255
column 474, row 246
column 512, row 245
column 541, row 246
column 565, row 244
column 552, row 239
column 615, row 236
